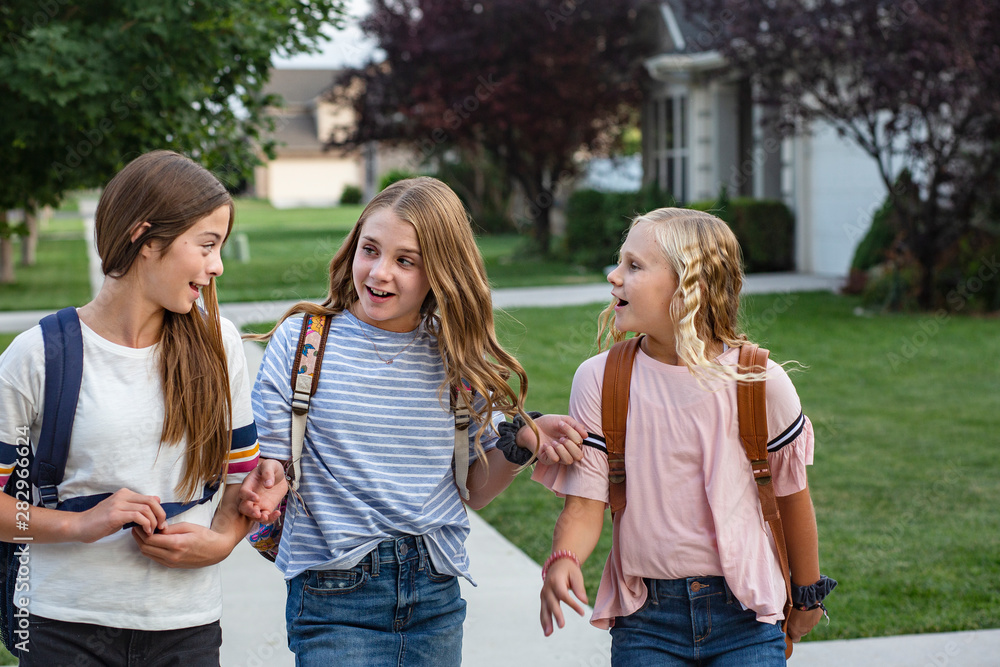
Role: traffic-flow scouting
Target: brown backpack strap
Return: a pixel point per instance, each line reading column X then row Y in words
column 751, row 400
column 614, row 412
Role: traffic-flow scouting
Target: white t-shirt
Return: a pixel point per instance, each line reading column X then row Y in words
column 116, row 443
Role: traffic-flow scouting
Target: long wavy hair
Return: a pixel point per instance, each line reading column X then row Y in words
column 705, row 255
column 172, row 193
column 458, row 309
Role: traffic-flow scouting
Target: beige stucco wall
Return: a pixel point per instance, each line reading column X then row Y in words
column 293, row 182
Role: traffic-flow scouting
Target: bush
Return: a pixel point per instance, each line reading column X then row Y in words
column 351, row 195
column 393, row 175
column 765, row 229
column 596, row 222
column 968, row 280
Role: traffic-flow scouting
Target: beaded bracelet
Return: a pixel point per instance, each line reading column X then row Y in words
column 556, row 555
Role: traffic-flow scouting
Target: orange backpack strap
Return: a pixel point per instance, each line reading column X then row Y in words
column 751, row 402
column 614, row 411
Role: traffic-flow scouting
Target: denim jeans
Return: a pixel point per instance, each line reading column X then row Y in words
column 63, row 644
column 694, row 621
column 390, row 609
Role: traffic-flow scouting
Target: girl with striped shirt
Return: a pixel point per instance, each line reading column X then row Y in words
column 373, row 552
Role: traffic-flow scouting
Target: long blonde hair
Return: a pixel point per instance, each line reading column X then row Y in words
column 458, row 310
column 705, row 255
column 172, row 193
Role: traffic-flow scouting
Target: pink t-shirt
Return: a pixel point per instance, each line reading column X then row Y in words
column 692, row 506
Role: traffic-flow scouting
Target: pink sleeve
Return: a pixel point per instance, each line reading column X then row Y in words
column 788, row 464
column 587, row 478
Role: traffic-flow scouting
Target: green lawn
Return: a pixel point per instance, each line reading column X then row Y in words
column 59, row 278
column 904, row 480
column 290, row 252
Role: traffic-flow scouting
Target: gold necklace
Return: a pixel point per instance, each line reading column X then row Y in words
column 375, row 347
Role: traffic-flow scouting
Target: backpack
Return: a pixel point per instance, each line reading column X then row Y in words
column 751, row 405
column 266, row 538
column 43, row 469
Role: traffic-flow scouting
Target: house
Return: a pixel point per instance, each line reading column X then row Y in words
column 701, row 131
column 302, row 173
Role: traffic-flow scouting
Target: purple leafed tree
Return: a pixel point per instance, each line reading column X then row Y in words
column 532, row 83
column 914, row 83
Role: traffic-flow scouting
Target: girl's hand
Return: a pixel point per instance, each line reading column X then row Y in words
column 122, row 507
column 562, row 439
column 563, row 576
column 801, row 622
column 183, row 545
column 262, row 491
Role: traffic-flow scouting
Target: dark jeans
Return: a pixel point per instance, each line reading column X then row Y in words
column 63, row 644
column 695, row 621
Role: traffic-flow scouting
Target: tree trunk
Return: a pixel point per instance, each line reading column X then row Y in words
column 6, row 251
column 927, row 257
column 6, row 261
column 29, row 243
column 539, row 209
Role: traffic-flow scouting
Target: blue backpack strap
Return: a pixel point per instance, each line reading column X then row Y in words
column 63, row 372
column 84, row 503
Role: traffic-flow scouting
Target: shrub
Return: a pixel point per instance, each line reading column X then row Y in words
column 596, row 222
column 765, row 229
column 351, row 195
column 393, row 175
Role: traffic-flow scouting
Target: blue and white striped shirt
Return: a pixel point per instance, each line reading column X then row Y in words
column 377, row 455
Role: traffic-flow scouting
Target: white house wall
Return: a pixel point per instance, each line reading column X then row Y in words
column 837, row 189
column 318, row 182
column 704, row 177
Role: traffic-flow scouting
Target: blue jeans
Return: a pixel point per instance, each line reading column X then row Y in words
column 694, row 621
column 390, row 609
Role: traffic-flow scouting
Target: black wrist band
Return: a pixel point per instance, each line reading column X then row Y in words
column 507, row 443
column 807, row 598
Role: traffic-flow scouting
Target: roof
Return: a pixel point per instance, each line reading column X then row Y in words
column 684, row 44
column 295, row 132
column 300, row 87
column 686, row 32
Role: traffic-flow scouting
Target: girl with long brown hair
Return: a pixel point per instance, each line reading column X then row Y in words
column 373, row 551
column 693, row 576
column 163, row 419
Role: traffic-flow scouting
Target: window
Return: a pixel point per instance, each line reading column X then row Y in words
column 670, row 144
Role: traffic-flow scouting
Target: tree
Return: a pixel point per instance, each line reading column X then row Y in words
column 915, row 84
column 88, row 85
column 529, row 82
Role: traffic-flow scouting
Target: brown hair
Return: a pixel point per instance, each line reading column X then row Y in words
column 172, row 193
column 705, row 255
column 458, row 310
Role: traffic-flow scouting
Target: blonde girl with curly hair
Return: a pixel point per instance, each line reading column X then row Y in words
column 373, row 552
column 693, row 577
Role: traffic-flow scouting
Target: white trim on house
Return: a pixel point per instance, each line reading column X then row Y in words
column 661, row 67
column 675, row 31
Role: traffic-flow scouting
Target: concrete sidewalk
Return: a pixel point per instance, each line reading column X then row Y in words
column 564, row 295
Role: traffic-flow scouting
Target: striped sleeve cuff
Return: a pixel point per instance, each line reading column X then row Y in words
column 596, row 441
column 788, row 435
column 8, row 461
column 5, row 472
column 244, row 451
